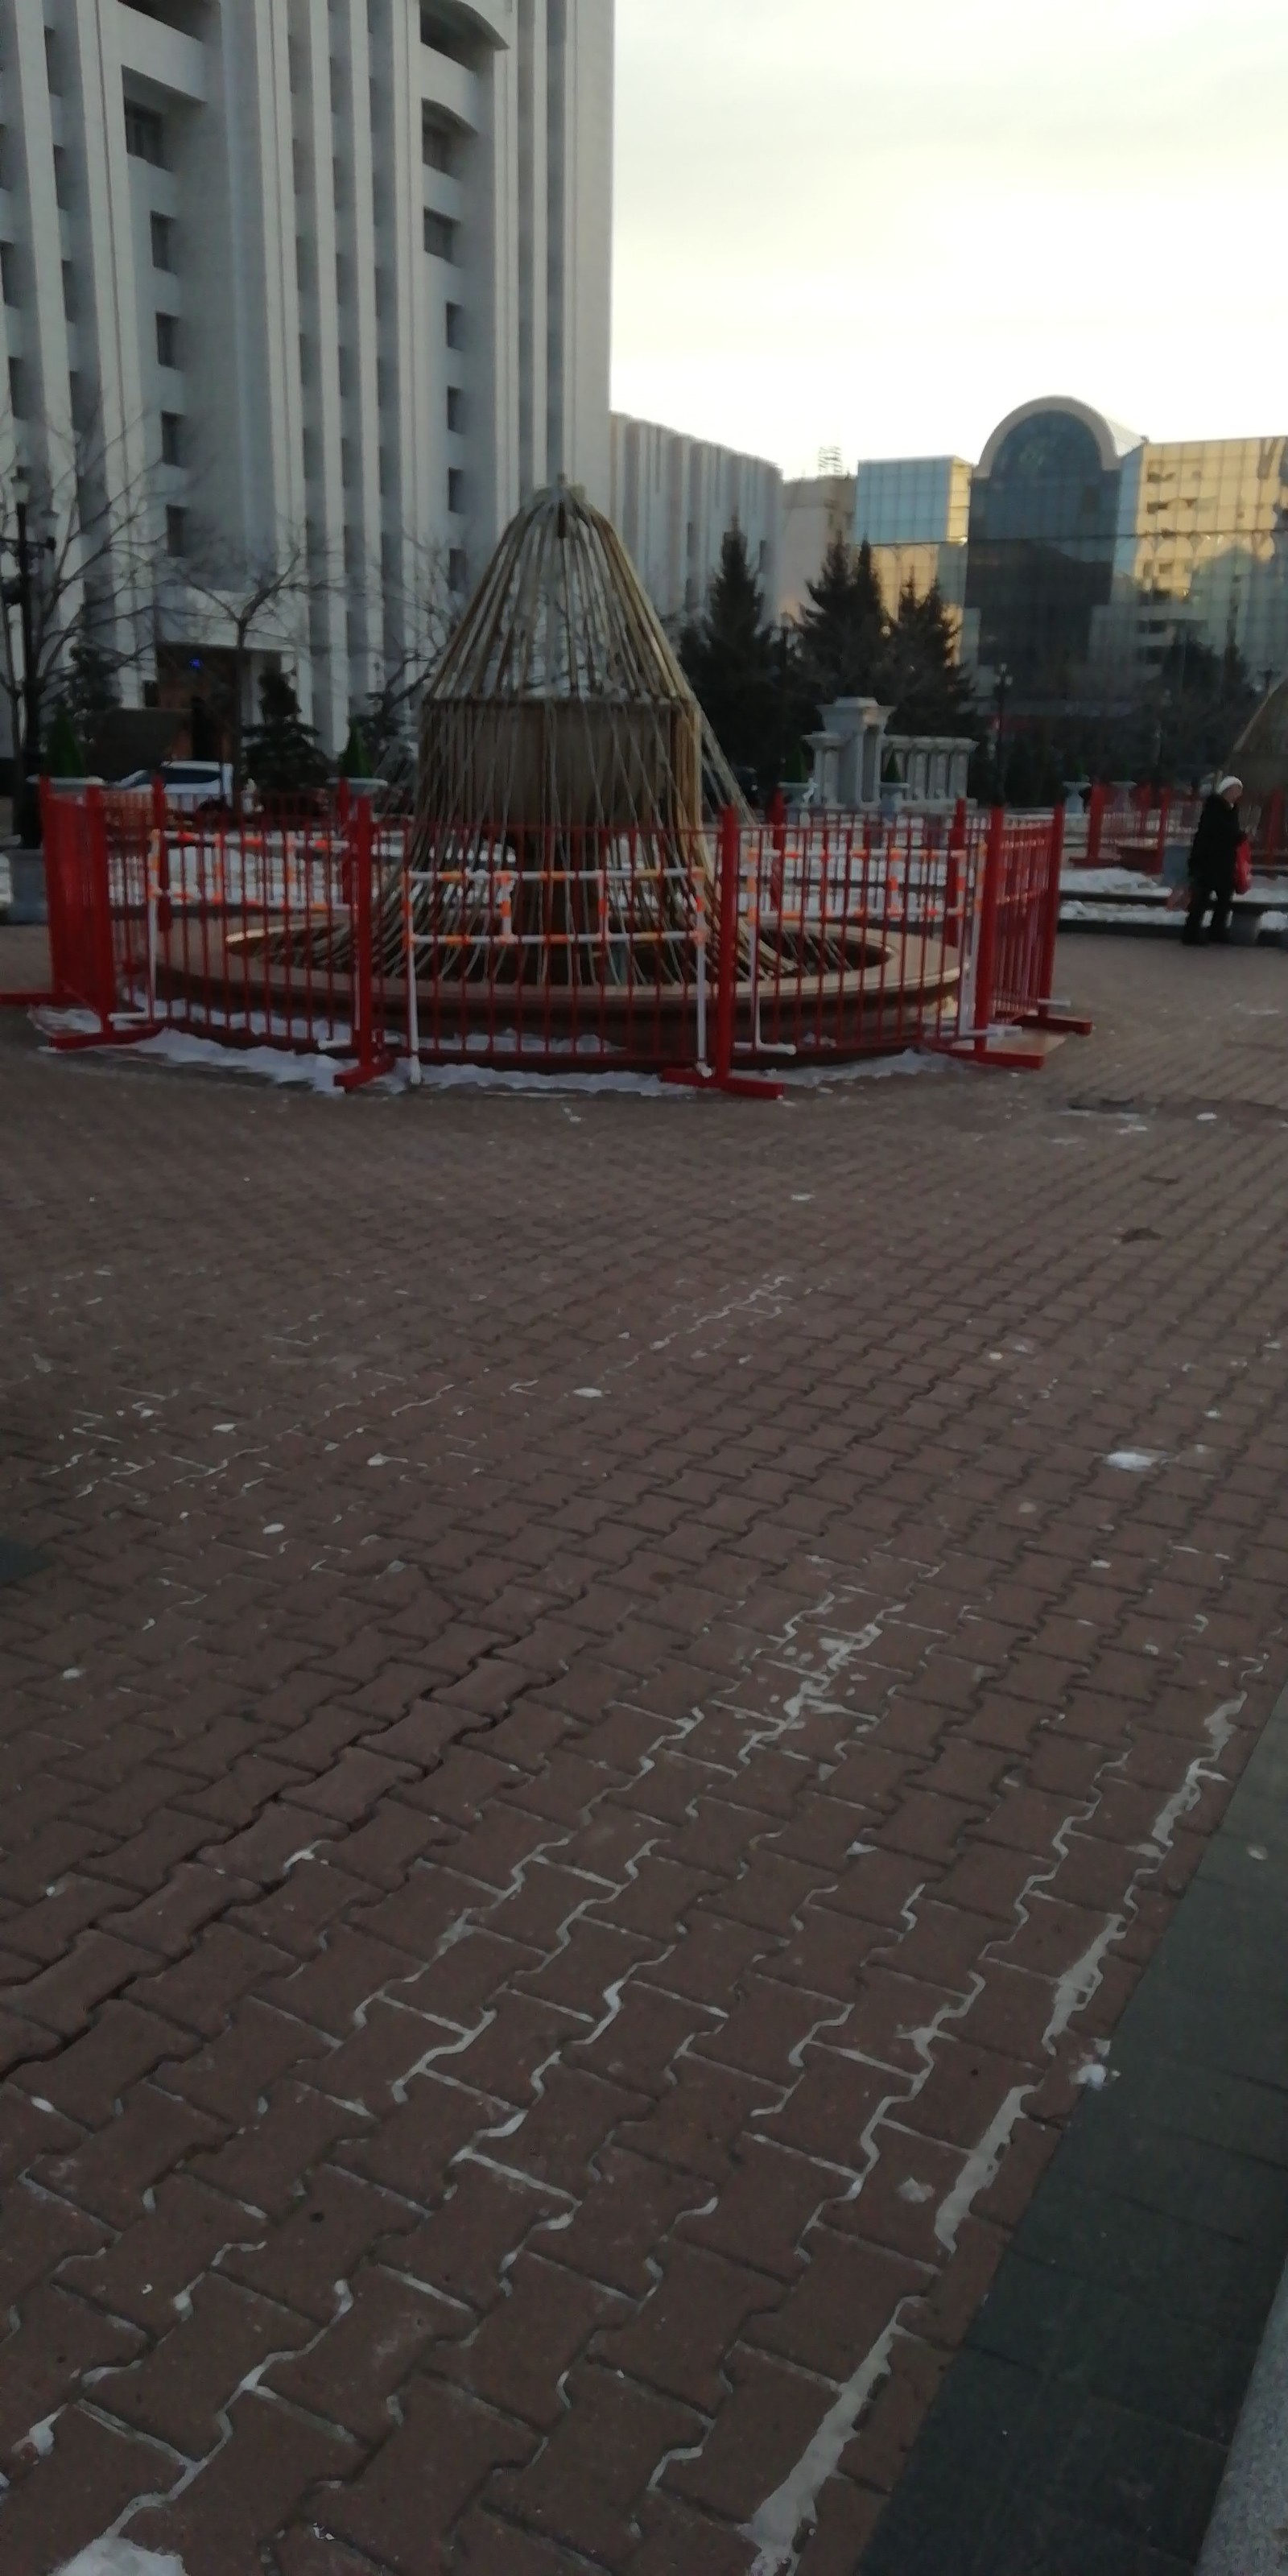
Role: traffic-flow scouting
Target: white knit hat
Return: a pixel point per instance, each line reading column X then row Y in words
column 1226, row 785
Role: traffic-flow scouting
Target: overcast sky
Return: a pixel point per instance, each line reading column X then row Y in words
column 880, row 224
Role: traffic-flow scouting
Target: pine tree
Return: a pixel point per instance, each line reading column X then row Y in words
column 281, row 751
column 844, row 630
column 737, row 670
column 62, row 756
column 926, row 684
column 355, row 759
column 91, row 687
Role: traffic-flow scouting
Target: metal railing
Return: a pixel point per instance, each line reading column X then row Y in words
column 710, row 956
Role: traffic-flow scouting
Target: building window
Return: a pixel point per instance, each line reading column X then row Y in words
column 439, row 142
column 9, row 273
column 53, row 68
column 455, row 326
column 440, row 235
column 437, row 32
column 167, row 340
column 69, row 290
column 62, row 180
column 455, row 408
column 456, row 570
column 162, row 241
column 145, row 134
column 176, row 531
column 17, row 389
column 456, row 491
column 171, row 438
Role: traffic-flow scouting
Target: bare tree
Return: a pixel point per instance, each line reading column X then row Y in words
column 251, row 600
column 78, row 550
column 420, row 614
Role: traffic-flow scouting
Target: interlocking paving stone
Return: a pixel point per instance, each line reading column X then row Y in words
column 547, row 1948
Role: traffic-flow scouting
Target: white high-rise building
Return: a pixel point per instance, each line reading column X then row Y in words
column 675, row 500
column 326, row 276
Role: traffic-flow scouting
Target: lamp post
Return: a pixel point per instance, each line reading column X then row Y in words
column 18, row 593
column 1001, row 692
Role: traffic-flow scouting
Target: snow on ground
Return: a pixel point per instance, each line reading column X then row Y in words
column 120, row 2558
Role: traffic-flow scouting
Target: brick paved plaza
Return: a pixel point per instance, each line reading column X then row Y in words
column 598, row 1750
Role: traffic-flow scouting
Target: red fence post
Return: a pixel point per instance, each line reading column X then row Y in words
column 99, row 888
column 1273, row 826
column 371, row 1056
column 727, row 954
column 986, row 959
column 1051, row 913
column 160, row 818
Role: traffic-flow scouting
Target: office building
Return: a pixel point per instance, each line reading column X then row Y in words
column 915, row 513
column 674, row 500
column 817, row 508
column 1084, row 557
column 329, row 279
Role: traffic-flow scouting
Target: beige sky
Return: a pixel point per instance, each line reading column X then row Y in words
column 879, row 224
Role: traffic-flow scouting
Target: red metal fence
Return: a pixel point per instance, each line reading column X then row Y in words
column 709, row 957
column 1134, row 826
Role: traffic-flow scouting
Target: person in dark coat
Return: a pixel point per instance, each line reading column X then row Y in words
column 1212, row 861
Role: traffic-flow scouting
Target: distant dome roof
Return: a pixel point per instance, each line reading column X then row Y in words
column 1113, row 441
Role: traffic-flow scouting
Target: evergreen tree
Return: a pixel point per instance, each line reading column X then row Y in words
column 355, row 759
column 62, row 756
column 737, row 670
column 91, row 685
column 924, row 680
column 281, row 751
column 844, row 630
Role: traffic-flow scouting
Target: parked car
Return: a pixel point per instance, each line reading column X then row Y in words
column 191, row 786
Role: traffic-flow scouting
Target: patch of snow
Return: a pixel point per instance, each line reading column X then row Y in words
column 590, row 1394
column 775, row 2530
column 980, row 2170
column 869, row 1069
column 538, row 1086
column 1218, row 1728
column 1118, row 913
column 1107, row 881
column 120, row 2558
column 1136, row 1462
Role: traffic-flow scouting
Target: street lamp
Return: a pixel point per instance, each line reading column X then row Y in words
column 19, row 593
column 1001, row 692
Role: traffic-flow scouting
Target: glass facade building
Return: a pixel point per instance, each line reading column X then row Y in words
column 1083, row 556
column 914, row 512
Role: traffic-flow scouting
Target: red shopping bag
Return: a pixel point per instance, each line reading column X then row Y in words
column 1243, row 868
